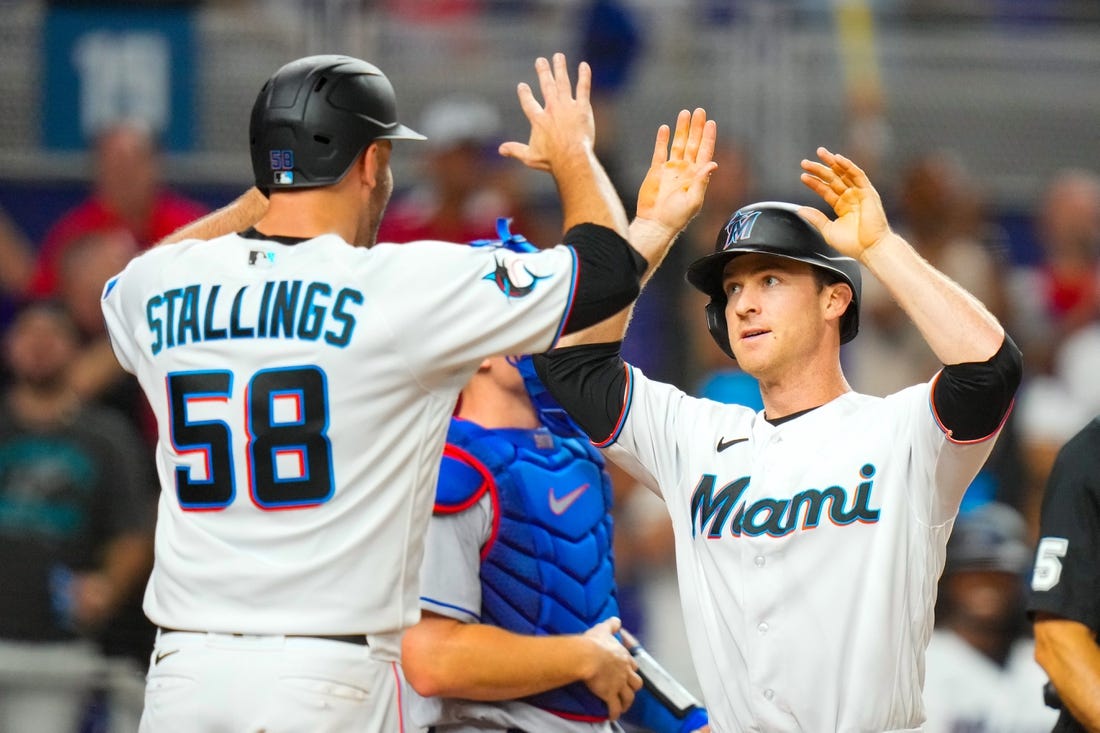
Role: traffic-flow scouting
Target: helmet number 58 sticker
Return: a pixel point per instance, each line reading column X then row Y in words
column 282, row 160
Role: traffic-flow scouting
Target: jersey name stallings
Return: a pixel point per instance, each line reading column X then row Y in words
column 282, row 309
column 776, row 517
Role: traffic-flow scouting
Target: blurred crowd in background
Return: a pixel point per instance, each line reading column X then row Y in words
column 77, row 488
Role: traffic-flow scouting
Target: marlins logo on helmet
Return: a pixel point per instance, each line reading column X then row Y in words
column 740, row 226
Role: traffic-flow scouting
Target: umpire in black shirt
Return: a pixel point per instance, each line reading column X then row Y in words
column 1064, row 603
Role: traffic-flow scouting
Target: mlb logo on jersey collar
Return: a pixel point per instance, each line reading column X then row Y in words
column 261, row 258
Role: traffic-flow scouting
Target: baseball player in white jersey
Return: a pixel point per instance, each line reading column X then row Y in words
column 302, row 381
column 810, row 535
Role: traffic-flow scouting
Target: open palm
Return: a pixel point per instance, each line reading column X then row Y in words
column 676, row 182
column 860, row 220
column 564, row 119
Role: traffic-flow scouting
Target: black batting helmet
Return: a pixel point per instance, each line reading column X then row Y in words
column 314, row 116
column 772, row 228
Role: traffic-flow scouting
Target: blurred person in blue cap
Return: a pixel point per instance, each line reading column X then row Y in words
column 980, row 669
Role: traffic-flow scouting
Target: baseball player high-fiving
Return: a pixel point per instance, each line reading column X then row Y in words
column 810, row 535
column 517, row 586
column 303, row 380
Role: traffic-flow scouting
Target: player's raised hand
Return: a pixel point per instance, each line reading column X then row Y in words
column 563, row 124
column 676, row 182
column 861, row 221
column 614, row 677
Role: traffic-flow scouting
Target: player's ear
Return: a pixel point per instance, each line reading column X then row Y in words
column 374, row 161
column 485, row 365
column 839, row 298
column 367, row 164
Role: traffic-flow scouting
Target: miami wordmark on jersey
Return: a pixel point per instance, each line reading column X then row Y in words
column 807, row 551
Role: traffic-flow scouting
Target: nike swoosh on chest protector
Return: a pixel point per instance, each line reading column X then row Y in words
column 559, row 505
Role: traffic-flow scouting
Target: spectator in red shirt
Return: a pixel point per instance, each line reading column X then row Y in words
column 127, row 194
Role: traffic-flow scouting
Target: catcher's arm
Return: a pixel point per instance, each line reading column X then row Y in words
column 663, row 705
column 444, row 657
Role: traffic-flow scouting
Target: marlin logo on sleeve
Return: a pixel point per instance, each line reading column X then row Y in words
column 502, row 276
column 711, row 509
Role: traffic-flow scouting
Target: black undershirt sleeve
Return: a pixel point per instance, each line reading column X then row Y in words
column 589, row 381
column 609, row 275
column 972, row 399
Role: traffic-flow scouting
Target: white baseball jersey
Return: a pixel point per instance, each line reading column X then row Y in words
column 807, row 552
column 302, row 393
column 964, row 690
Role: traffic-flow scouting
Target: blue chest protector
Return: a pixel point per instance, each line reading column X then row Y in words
column 548, row 569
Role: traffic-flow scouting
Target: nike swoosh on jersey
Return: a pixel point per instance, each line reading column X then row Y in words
column 162, row 655
column 559, row 505
column 723, row 443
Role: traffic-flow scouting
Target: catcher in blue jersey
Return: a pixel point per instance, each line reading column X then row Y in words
column 519, row 626
column 519, row 611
